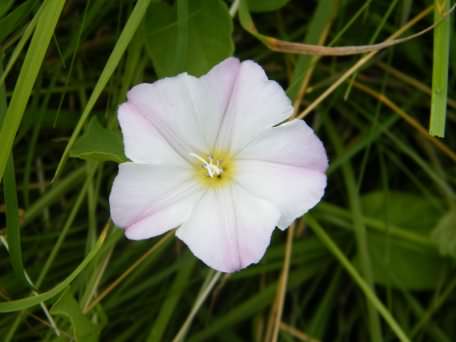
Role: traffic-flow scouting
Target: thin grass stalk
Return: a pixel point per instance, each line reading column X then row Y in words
column 440, row 69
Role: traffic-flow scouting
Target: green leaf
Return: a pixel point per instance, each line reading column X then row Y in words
column 444, row 234
column 15, row 19
column 191, row 36
column 5, row 5
column 84, row 329
column 401, row 264
column 266, row 5
column 98, row 144
column 405, row 210
column 396, row 262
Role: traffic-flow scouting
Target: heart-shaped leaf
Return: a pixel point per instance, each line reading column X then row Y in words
column 84, row 330
column 99, row 144
column 444, row 234
column 191, row 36
column 396, row 262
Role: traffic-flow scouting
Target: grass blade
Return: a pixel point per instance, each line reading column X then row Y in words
column 25, row 303
column 47, row 21
column 326, row 239
column 12, row 222
column 359, row 228
column 440, row 68
column 180, row 283
column 19, row 47
column 211, row 280
column 124, row 40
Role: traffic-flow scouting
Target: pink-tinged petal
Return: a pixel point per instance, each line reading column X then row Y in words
column 293, row 143
column 167, row 104
column 147, row 200
column 256, row 104
column 294, row 190
column 211, row 94
column 142, row 142
column 187, row 111
column 229, row 228
column 160, row 221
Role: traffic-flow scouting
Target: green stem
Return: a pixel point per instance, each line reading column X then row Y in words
column 440, row 68
column 367, row 290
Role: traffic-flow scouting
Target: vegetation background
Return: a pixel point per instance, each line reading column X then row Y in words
column 374, row 261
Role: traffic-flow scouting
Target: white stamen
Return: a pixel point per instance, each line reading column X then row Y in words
column 213, row 169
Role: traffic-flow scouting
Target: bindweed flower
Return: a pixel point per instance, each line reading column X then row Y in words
column 206, row 158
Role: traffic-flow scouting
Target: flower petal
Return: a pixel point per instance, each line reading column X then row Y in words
column 293, row 143
column 229, row 228
column 285, row 165
column 185, row 110
column 211, row 94
column 148, row 200
column 142, row 142
column 256, row 104
column 168, row 105
column 294, row 190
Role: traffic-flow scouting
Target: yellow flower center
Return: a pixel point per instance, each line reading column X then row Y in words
column 213, row 170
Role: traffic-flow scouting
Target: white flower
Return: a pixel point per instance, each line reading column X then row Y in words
column 207, row 159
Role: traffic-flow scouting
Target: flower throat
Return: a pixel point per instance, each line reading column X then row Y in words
column 213, row 170
column 212, row 166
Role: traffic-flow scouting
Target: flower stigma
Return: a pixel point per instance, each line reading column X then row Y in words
column 214, row 169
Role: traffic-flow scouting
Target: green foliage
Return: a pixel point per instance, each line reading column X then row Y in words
column 126, row 36
column 266, row 5
column 399, row 263
column 324, row 13
column 172, row 299
column 444, row 234
column 402, row 209
column 99, row 144
column 191, row 36
column 403, row 265
column 30, row 301
column 47, row 20
column 12, row 222
column 16, row 18
column 442, row 38
column 84, row 329
column 5, row 6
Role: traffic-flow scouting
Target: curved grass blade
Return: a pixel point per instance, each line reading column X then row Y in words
column 316, row 50
column 360, row 63
column 25, row 303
